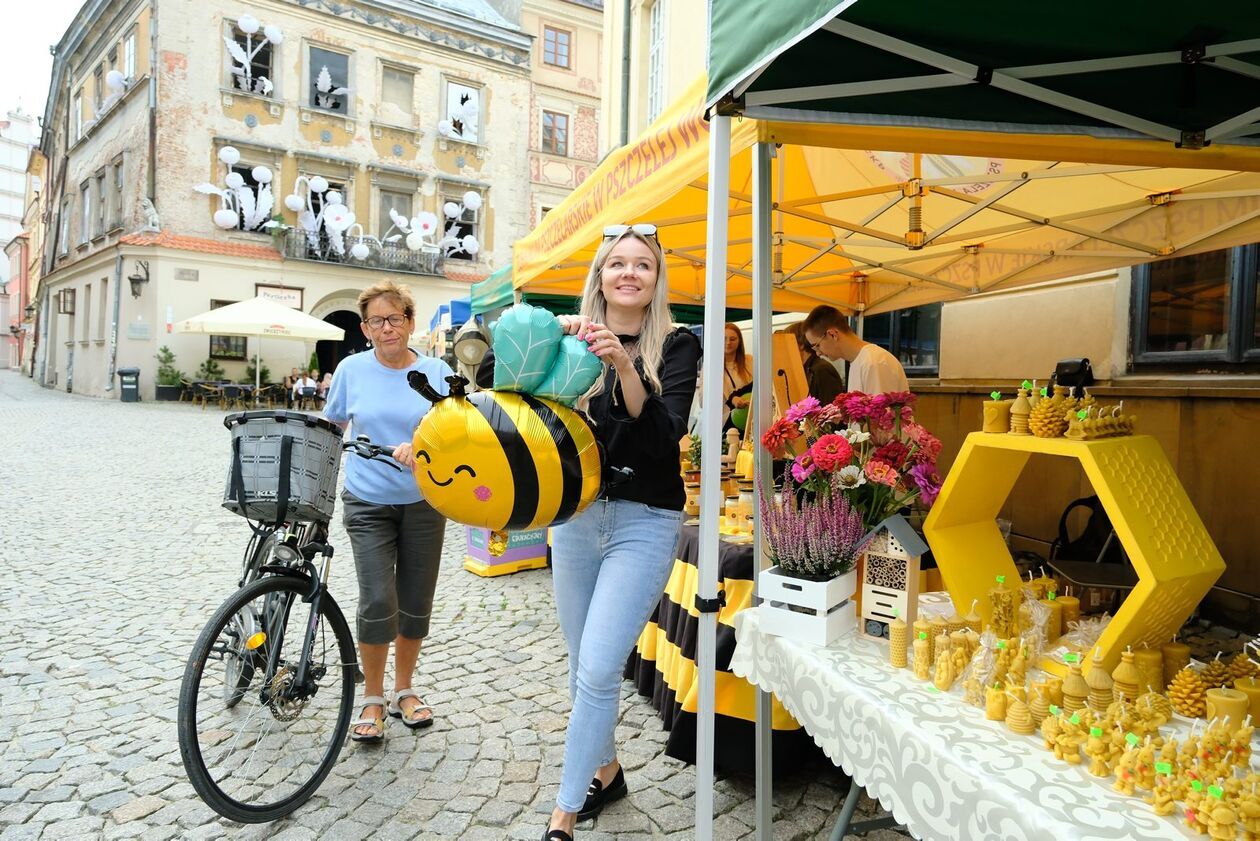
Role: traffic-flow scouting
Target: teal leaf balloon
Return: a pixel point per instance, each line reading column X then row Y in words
column 574, row 371
column 525, row 343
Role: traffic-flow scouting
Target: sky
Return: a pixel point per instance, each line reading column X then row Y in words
column 25, row 63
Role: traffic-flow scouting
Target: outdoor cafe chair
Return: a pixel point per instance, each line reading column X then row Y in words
column 307, row 399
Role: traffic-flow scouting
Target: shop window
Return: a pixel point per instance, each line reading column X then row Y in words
column 1197, row 309
column 227, row 347
column 261, row 54
column 556, row 47
column 398, row 88
column 555, row 133
column 912, row 335
column 318, row 200
column 467, row 223
column 399, row 203
column 329, row 80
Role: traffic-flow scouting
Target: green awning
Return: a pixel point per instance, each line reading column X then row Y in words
column 493, row 292
column 682, row 313
column 1186, row 75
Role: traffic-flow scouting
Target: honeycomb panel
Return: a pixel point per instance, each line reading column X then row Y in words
column 1175, row 558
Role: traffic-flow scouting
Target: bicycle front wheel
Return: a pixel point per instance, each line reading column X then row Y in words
column 262, row 758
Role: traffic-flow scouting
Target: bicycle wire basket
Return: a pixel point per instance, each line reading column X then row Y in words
column 284, row 466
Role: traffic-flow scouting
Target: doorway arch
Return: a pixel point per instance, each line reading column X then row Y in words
column 331, row 351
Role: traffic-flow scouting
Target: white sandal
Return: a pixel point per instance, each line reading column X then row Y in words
column 414, row 723
column 378, row 722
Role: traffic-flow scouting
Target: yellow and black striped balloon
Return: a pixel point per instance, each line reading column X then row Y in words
column 506, row 460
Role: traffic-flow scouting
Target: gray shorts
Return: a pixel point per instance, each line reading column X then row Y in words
column 397, row 551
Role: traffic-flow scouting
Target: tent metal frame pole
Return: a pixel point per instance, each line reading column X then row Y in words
column 762, row 341
column 711, row 463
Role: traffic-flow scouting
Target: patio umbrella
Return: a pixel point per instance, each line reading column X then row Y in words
column 258, row 318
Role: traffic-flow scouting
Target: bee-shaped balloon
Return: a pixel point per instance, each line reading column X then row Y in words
column 515, row 457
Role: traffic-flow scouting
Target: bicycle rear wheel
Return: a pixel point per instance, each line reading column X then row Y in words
column 262, row 758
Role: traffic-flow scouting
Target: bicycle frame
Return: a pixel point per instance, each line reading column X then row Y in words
column 318, row 578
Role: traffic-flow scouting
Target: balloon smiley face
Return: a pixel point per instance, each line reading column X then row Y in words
column 502, row 460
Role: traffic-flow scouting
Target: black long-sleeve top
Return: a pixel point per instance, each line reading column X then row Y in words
column 648, row 444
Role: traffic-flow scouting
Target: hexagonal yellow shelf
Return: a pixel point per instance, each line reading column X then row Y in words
column 1175, row 559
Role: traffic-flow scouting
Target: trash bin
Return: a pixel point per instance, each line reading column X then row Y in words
column 129, row 383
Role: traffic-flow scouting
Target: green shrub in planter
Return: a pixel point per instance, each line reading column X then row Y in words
column 169, row 385
column 249, row 375
column 210, row 370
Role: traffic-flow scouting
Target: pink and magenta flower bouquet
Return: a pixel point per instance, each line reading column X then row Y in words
column 865, row 448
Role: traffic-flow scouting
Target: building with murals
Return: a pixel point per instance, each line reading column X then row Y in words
column 305, row 151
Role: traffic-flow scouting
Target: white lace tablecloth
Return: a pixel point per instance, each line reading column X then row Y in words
column 935, row 763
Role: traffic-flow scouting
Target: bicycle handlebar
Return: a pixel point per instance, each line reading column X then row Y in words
column 363, row 448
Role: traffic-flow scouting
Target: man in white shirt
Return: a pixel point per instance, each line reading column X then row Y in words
column 304, row 386
column 872, row 370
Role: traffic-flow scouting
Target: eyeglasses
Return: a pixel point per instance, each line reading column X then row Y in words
column 376, row 322
column 643, row 229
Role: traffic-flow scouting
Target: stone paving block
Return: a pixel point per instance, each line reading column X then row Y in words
column 348, row 829
column 447, row 824
column 86, row 828
column 138, row 808
column 22, row 832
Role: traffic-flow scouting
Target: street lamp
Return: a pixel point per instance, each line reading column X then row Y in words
column 139, row 277
column 30, row 310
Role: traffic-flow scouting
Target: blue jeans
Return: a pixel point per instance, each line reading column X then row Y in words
column 609, row 567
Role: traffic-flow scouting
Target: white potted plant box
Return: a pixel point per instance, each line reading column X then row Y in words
column 816, row 612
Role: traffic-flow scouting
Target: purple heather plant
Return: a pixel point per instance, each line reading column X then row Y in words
column 818, row 538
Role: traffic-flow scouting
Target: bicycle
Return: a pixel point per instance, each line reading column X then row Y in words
column 260, row 761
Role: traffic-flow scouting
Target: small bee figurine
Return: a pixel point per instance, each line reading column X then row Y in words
column 508, row 458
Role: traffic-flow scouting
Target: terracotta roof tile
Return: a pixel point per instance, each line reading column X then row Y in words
column 165, row 239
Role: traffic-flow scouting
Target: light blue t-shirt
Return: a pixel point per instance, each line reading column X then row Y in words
column 378, row 402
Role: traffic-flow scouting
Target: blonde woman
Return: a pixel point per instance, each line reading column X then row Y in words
column 610, row 563
column 396, row 536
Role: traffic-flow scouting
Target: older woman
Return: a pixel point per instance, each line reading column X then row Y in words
column 396, row 536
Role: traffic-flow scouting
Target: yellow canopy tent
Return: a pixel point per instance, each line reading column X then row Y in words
column 875, row 231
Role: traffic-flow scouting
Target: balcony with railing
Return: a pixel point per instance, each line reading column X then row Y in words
column 385, row 256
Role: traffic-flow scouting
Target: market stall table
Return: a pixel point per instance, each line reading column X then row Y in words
column 663, row 666
column 933, row 761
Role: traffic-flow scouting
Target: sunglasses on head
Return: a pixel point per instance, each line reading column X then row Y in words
column 643, row 229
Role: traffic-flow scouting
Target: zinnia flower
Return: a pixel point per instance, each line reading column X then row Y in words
column 798, row 411
column 894, row 453
column 857, row 405
column 928, row 480
column 829, row 415
column 776, row 438
column 854, row 434
column 850, row 477
column 929, row 446
column 900, row 398
column 803, row 467
column 881, row 473
column 830, row 452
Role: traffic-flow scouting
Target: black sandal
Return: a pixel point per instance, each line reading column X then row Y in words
column 550, row 834
column 597, row 796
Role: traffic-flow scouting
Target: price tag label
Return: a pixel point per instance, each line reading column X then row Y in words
column 1096, row 732
column 1216, row 791
column 1076, row 718
column 1071, row 658
column 1163, row 767
column 1196, row 785
column 1045, row 391
column 922, row 635
column 1001, row 643
column 1082, row 414
column 1001, row 579
column 932, row 688
column 1051, row 595
column 1132, row 739
column 996, row 395
column 1026, row 384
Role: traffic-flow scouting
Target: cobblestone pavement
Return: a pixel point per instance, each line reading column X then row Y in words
column 117, row 551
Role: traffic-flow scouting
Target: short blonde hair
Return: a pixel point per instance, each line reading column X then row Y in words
column 400, row 294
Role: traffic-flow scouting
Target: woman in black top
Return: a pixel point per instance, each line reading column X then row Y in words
column 610, row 563
column 823, row 380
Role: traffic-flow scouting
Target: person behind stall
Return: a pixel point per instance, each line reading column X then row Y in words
column 872, row 370
column 737, row 377
column 610, row 563
column 395, row 536
column 325, row 383
column 822, row 379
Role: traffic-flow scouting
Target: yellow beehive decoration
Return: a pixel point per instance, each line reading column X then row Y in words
column 1175, row 559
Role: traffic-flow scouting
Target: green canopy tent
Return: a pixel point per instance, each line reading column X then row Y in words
column 1168, row 84
column 493, row 292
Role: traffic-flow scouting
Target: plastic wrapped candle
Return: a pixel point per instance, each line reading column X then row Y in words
column 1043, row 584
column 922, row 656
column 1176, row 657
column 897, row 639
column 1054, row 626
column 1150, row 664
column 1002, row 619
